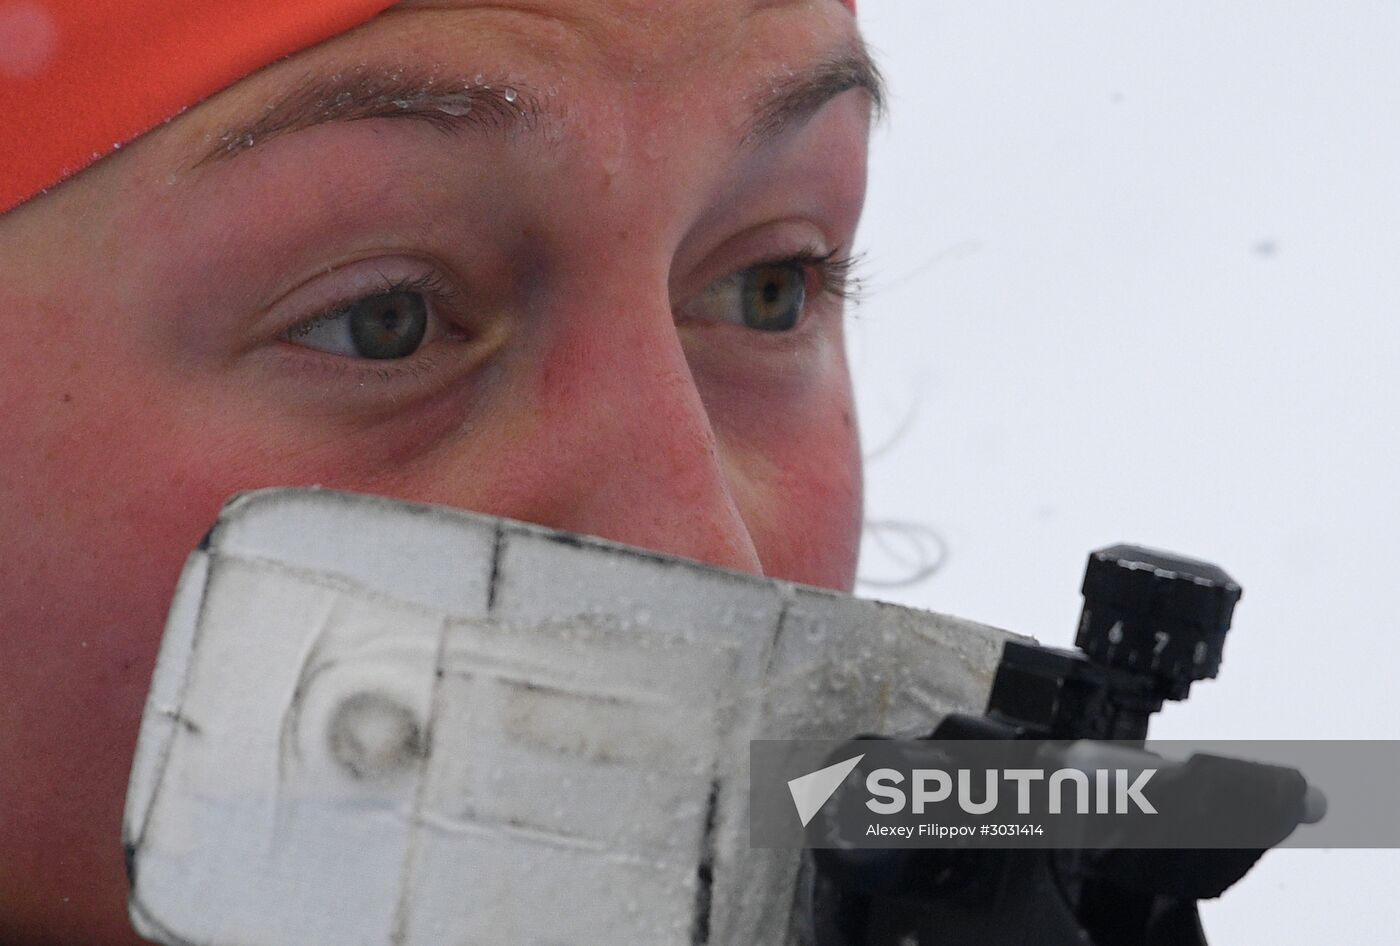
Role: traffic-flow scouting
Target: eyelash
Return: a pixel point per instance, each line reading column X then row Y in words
column 836, row 272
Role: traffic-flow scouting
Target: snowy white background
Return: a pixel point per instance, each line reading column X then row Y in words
column 1134, row 275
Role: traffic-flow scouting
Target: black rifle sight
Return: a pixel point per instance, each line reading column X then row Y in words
column 1152, row 625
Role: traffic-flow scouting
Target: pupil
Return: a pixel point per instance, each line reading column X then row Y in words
column 389, row 325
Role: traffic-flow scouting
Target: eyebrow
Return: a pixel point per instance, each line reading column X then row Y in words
column 476, row 104
column 797, row 98
column 448, row 105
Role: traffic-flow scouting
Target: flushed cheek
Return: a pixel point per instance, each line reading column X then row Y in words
column 798, row 484
column 99, row 513
column 786, row 429
column 98, row 521
column 113, row 503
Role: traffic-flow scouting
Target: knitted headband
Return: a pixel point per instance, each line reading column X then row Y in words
column 79, row 78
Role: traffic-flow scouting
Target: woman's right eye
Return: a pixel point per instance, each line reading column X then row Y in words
column 388, row 325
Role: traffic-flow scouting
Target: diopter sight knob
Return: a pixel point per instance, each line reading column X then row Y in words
column 1156, row 614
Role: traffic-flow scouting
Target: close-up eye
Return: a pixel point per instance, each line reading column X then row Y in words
column 387, row 325
column 770, row 297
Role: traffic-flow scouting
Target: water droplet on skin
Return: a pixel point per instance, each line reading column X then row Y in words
column 455, row 106
column 511, row 95
column 117, row 145
column 172, row 180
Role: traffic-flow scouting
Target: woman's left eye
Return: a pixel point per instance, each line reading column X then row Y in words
column 770, row 298
column 385, row 326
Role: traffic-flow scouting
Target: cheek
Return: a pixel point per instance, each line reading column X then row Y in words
column 98, row 509
column 114, row 468
column 99, row 504
column 798, row 483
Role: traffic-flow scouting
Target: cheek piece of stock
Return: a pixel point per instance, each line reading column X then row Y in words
column 383, row 723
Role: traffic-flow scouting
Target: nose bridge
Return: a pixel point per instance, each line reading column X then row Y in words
column 635, row 456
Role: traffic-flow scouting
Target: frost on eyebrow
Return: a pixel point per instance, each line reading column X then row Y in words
column 447, row 103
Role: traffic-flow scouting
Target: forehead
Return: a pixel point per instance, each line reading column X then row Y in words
column 647, row 37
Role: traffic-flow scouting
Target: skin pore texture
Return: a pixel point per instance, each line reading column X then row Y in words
column 585, row 364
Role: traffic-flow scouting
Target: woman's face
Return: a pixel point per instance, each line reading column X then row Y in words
column 571, row 261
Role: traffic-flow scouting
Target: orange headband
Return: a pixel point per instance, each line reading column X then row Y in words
column 80, row 78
